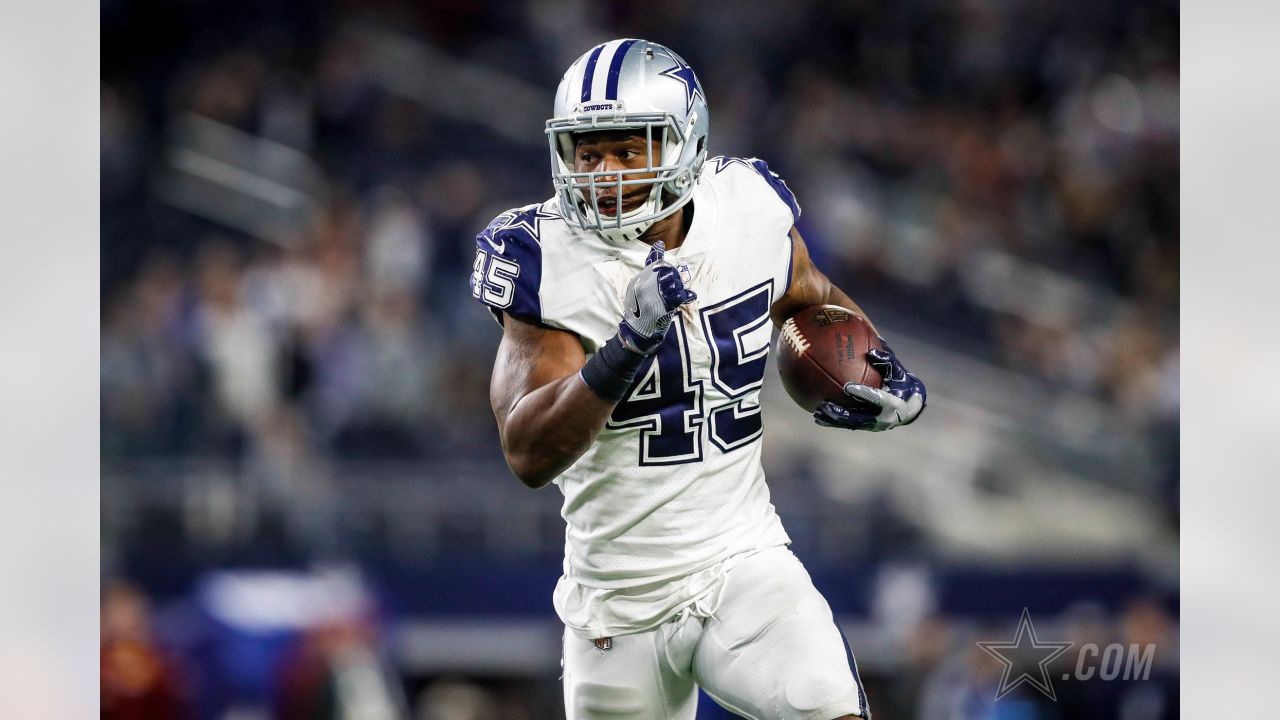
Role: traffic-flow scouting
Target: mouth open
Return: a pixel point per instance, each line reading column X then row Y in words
column 609, row 203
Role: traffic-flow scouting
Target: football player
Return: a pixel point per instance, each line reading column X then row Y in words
column 635, row 308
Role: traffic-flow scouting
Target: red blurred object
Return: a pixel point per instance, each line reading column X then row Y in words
column 139, row 680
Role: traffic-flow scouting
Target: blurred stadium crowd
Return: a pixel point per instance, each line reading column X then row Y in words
column 918, row 138
column 290, row 193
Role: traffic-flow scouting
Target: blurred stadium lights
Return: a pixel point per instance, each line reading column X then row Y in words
column 480, row 645
column 258, row 186
column 453, row 87
column 1001, row 282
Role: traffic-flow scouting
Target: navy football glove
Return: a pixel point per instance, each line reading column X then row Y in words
column 898, row 401
column 653, row 296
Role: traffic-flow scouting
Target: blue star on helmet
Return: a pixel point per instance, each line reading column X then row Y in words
column 684, row 74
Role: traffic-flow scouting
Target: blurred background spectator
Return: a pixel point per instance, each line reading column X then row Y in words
column 294, row 375
column 140, row 679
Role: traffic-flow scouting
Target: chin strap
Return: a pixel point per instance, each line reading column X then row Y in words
column 626, row 233
column 633, row 231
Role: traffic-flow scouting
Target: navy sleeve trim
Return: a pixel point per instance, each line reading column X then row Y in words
column 791, row 258
column 779, row 186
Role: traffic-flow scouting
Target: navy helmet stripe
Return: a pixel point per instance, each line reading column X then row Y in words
column 589, row 73
column 615, row 69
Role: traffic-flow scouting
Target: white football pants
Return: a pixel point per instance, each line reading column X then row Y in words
column 770, row 651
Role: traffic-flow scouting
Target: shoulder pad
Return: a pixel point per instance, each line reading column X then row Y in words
column 507, row 273
column 759, row 167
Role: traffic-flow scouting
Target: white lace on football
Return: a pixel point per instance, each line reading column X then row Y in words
column 791, row 333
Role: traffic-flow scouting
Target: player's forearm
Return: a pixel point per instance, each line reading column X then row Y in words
column 552, row 427
column 836, row 296
column 809, row 286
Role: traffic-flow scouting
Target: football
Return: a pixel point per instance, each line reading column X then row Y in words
column 820, row 350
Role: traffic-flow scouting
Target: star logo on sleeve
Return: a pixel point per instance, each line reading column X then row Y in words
column 684, row 74
column 1027, row 654
column 720, row 162
column 529, row 219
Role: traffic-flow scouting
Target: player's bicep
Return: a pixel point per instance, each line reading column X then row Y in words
column 808, row 286
column 530, row 356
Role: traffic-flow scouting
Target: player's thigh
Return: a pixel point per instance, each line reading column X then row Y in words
column 632, row 680
column 773, row 650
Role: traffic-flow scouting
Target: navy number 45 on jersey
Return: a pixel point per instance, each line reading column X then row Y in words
column 666, row 402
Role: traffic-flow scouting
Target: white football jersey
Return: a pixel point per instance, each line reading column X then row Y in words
column 673, row 485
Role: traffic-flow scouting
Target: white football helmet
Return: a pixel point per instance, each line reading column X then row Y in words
column 629, row 85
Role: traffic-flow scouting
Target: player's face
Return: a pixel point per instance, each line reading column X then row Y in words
column 603, row 152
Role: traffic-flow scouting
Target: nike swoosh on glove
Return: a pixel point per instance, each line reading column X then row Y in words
column 653, row 296
column 899, row 400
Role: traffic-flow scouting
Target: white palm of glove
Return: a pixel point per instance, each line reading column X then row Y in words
column 894, row 411
column 898, row 401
